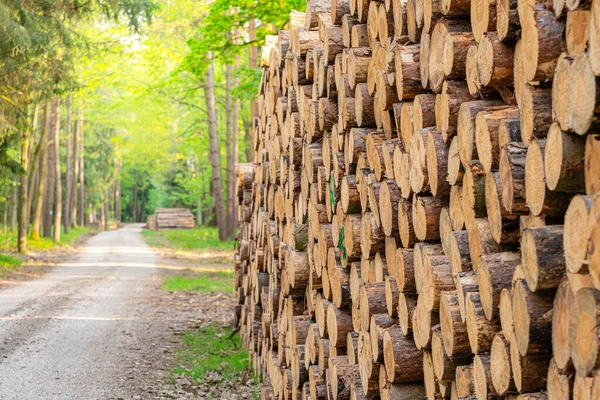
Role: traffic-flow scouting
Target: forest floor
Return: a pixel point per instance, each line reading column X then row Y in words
column 115, row 320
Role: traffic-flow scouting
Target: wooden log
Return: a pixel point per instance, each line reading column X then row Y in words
column 495, row 274
column 466, row 127
column 543, row 256
column 403, row 361
column 408, row 71
column 448, row 52
column 447, row 104
column 500, row 371
column 481, row 331
column 584, row 331
column 532, row 316
column 454, row 330
column 487, row 143
column 563, row 161
column 541, row 34
column 539, row 199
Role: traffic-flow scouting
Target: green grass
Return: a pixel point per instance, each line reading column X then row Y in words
column 212, row 282
column 201, row 238
column 9, row 262
column 210, row 349
column 8, row 240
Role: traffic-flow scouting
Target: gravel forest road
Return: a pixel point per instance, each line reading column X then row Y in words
column 90, row 328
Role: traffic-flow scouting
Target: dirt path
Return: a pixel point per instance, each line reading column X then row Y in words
column 98, row 326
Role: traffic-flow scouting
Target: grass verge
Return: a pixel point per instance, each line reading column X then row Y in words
column 201, row 239
column 199, row 244
column 9, row 262
column 8, row 240
column 211, row 282
column 210, row 349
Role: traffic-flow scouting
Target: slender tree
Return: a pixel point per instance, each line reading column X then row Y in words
column 75, row 176
column 57, row 177
column 23, row 208
column 13, row 205
column 68, row 166
column 229, row 172
column 81, row 170
column 50, row 176
column 215, row 157
column 39, row 200
column 236, row 139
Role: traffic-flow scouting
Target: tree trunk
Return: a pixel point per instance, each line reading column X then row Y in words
column 81, row 171
column 13, row 205
column 215, row 157
column 5, row 210
column 118, row 191
column 229, row 172
column 236, row 156
column 68, row 165
column 135, row 201
column 23, row 218
column 57, row 177
column 51, row 178
column 43, row 168
column 74, row 176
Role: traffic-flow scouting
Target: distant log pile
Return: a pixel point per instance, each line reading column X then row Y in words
column 151, row 222
column 421, row 217
column 172, row 218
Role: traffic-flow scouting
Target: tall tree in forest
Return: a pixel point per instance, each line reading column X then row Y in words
column 43, row 171
column 23, row 218
column 57, row 177
column 215, row 157
column 13, row 204
column 75, row 176
column 236, row 144
column 68, row 166
column 51, row 175
column 81, row 170
column 230, row 167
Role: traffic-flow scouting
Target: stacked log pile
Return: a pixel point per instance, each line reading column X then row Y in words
column 421, row 216
column 173, row 218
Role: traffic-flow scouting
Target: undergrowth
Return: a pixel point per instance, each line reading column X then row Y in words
column 211, row 282
column 8, row 240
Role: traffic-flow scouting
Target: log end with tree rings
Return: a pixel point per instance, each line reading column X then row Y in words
column 424, row 58
column 480, row 18
column 560, row 90
column 594, row 39
column 583, row 95
column 500, row 365
column 482, row 376
column 505, row 19
column 455, row 167
column 585, row 331
column 472, row 73
column 535, row 185
column 559, row 384
column 436, row 56
column 564, row 161
column 518, row 72
column 563, row 301
column 388, row 204
column 592, row 164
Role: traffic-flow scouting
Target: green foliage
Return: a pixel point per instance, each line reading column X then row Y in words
column 8, row 240
column 212, row 282
column 210, row 349
column 222, row 30
column 202, row 239
column 9, row 262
